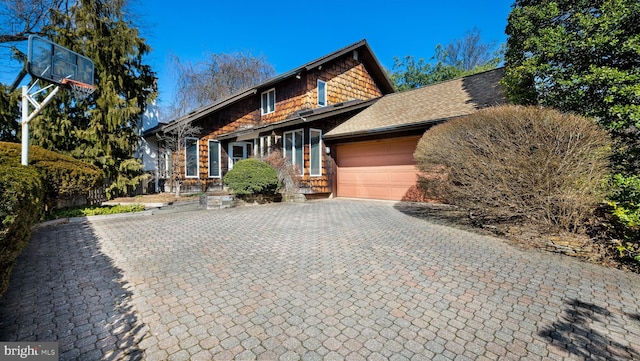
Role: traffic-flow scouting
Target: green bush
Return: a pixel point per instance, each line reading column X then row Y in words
column 526, row 163
column 625, row 192
column 625, row 215
column 21, row 207
column 65, row 176
column 252, row 176
column 81, row 211
column 27, row 191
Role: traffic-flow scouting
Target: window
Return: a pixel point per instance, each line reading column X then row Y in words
column 268, row 102
column 292, row 148
column 322, row 93
column 214, row 159
column 191, row 157
column 315, row 152
column 262, row 146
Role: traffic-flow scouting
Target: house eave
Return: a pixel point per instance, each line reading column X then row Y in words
column 305, row 116
column 385, row 83
column 385, row 130
column 206, row 110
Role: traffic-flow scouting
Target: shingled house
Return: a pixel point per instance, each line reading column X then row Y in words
column 336, row 119
column 290, row 112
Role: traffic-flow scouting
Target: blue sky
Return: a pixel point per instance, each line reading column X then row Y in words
column 290, row 34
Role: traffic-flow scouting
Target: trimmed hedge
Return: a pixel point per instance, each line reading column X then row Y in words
column 252, row 176
column 28, row 191
column 21, row 207
column 65, row 176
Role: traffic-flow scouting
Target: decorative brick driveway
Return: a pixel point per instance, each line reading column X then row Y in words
column 333, row 280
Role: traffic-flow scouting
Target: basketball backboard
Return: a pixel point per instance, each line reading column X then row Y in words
column 53, row 63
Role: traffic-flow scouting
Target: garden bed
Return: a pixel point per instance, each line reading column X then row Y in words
column 595, row 247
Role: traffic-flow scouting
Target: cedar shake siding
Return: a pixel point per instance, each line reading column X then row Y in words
column 353, row 79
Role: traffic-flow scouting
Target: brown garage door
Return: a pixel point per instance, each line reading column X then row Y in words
column 382, row 169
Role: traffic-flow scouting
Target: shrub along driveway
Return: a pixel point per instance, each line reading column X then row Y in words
column 334, row 279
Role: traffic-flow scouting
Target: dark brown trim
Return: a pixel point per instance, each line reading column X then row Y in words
column 389, row 130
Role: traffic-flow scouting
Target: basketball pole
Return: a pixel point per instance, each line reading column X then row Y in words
column 25, row 125
column 26, row 117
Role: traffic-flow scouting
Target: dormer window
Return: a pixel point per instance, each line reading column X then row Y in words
column 268, row 102
column 322, row 93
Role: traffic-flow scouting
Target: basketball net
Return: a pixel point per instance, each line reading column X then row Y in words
column 81, row 91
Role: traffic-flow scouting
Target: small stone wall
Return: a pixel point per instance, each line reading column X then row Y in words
column 216, row 202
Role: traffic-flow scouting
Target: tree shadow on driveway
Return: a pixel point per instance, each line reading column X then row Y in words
column 592, row 332
column 64, row 289
column 446, row 215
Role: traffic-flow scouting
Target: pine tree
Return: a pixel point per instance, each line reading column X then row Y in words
column 102, row 128
column 9, row 127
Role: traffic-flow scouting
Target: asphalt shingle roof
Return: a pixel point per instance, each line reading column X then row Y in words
column 425, row 105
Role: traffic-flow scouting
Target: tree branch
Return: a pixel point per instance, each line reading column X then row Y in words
column 8, row 38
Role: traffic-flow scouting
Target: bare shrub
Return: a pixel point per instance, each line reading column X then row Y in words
column 527, row 163
column 173, row 144
column 288, row 174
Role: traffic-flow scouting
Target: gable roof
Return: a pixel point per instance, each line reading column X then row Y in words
column 299, row 117
column 364, row 52
column 419, row 107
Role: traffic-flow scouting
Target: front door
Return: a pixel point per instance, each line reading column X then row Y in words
column 238, row 151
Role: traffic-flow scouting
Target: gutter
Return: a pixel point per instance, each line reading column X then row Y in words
column 387, row 129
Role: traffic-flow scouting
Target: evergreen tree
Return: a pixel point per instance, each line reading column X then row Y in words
column 584, row 57
column 9, row 127
column 462, row 57
column 102, row 128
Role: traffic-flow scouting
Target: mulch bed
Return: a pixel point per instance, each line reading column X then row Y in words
column 596, row 247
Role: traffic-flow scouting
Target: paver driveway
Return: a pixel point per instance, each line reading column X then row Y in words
column 333, row 279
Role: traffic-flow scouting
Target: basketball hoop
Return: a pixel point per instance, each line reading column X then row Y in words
column 59, row 66
column 81, row 91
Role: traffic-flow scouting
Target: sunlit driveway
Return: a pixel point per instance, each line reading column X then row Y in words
column 332, row 279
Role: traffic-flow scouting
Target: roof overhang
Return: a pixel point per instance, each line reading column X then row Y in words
column 367, row 56
column 206, row 110
column 422, row 125
column 305, row 116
